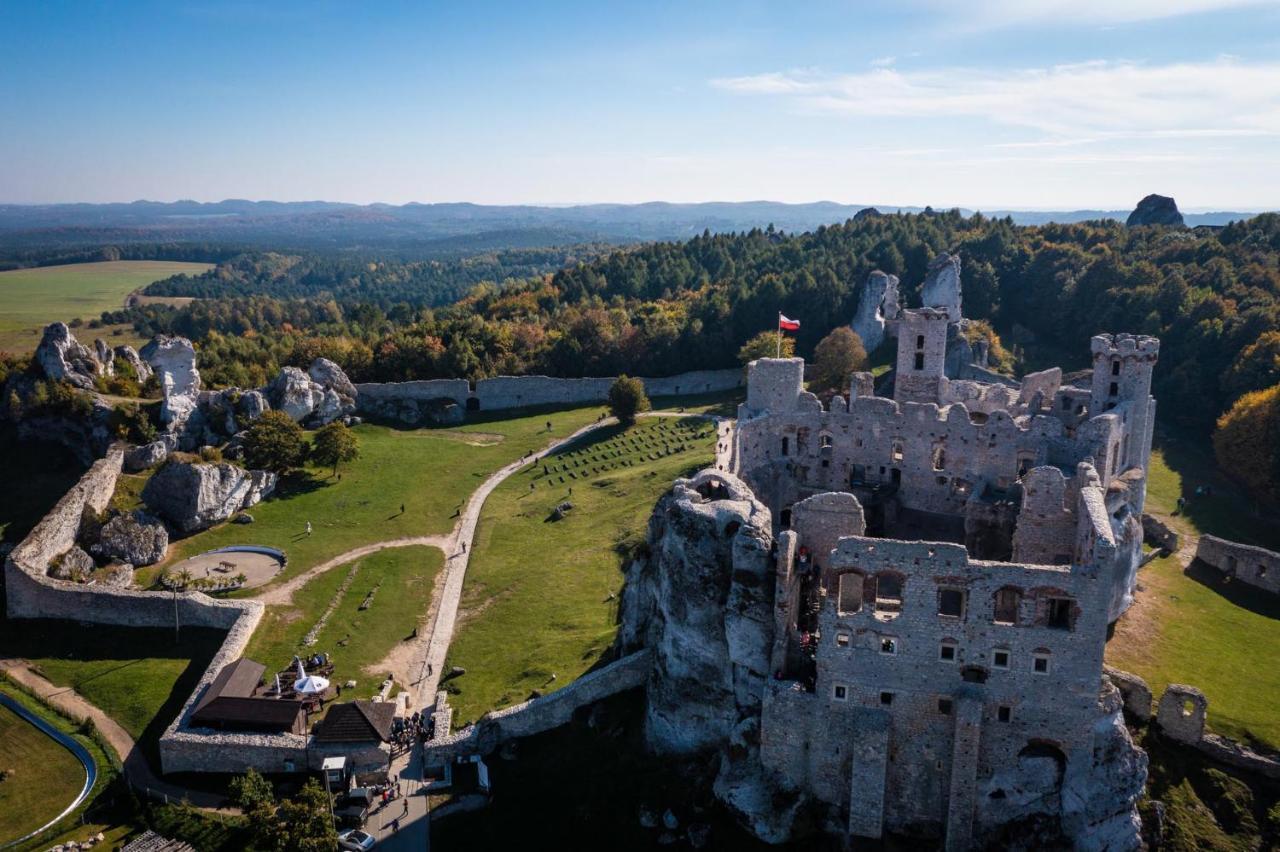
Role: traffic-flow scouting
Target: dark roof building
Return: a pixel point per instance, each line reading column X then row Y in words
column 356, row 722
column 230, row 703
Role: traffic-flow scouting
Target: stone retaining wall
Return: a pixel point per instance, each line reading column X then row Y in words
column 1159, row 534
column 1255, row 566
column 541, row 714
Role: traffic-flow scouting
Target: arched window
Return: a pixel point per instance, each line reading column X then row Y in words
column 849, row 598
column 1007, row 602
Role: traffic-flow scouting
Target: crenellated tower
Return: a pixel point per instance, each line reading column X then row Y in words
column 1122, row 367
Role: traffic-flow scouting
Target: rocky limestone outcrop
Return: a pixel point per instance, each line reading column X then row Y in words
column 174, row 362
column 194, row 495
column 317, row 397
column 73, row 565
column 145, row 456
column 941, row 287
column 1155, row 210
column 62, row 358
column 106, row 358
column 877, row 304
column 135, row 537
column 86, row 437
column 129, row 355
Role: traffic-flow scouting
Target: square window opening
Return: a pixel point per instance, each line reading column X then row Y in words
column 1004, row 714
column 888, row 646
column 1000, row 659
column 944, row 706
column 951, row 603
column 886, row 698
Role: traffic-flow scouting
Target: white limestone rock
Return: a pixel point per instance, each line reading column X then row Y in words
column 136, row 537
column 63, row 358
column 146, row 456
column 118, row 576
column 130, row 356
column 941, row 288
column 252, row 406
column 877, row 304
column 330, row 376
column 295, row 394
column 174, row 362
column 193, row 496
column 106, row 358
column 311, row 401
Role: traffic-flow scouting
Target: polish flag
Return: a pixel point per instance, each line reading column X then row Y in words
column 785, row 324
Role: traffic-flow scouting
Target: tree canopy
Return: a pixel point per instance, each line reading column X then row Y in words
column 627, row 399
column 274, row 442
column 334, row 443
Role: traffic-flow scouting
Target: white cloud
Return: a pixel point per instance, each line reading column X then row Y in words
column 1224, row 97
column 883, row 61
column 1088, row 13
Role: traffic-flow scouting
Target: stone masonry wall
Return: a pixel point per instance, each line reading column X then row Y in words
column 541, row 714
column 1248, row 564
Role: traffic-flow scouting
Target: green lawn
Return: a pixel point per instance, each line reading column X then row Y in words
column 1191, row 627
column 46, row 471
column 32, row 298
column 541, row 595
column 431, row 472
column 358, row 640
column 139, row 677
column 40, row 777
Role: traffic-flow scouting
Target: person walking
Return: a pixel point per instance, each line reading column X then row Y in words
column 308, row 528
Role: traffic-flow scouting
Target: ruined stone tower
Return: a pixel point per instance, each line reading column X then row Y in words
column 1122, row 366
column 922, row 355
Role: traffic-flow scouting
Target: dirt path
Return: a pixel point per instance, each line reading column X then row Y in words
column 136, row 768
column 283, row 594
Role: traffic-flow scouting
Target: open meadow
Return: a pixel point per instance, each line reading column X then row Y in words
column 32, row 298
column 1193, row 626
column 539, row 604
column 40, row 777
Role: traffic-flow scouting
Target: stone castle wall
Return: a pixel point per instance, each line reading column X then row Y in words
column 1255, row 566
column 541, row 714
column 504, row 392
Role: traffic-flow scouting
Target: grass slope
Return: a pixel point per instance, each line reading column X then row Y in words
column 40, row 777
column 32, row 298
column 1191, row 627
column 403, row 578
column 541, row 596
column 431, row 472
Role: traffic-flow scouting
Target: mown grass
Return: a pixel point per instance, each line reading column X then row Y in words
column 540, row 598
column 40, row 776
column 1193, row 627
column 430, row 472
column 138, row 676
column 32, row 298
column 357, row 640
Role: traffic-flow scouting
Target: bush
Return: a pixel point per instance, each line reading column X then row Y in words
column 835, row 358
column 274, row 442
column 1247, row 442
column 627, row 399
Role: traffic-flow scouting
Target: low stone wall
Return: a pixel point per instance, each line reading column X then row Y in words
column 1181, row 717
column 1159, row 534
column 503, row 392
column 541, row 714
column 1255, row 566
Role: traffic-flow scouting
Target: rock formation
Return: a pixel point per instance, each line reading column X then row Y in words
column 73, row 565
column 136, row 538
column 62, row 358
column 146, row 456
column 174, row 362
column 315, row 398
column 1155, row 210
column 194, row 495
column 877, row 304
column 130, row 356
column 941, row 287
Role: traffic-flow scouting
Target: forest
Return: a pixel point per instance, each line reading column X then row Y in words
column 1211, row 294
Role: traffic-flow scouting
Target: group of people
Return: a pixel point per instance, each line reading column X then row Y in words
column 411, row 730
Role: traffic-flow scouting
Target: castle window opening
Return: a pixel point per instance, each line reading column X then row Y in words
column 786, row 446
column 1114, row 389
column 1115, row 368
column 919, row 341
column 824, row 440
column 951, row 603
column 1000, row 659
column 840, row 692
column 1007, row 602
column 896, row 476
column 1066, row 403
column 1262, row 571
column 888, row 646
column 1004, row 714
column 897, row 453
column 973, row 674
column 944, row 706
column 919, row 360
column 784, row 518
column 939, row 458
column 842, row 639
column 886, row 698
column 947, row 652
column 1024, row 464
column 849, row 597
column 1040, row 663
column 887, row 593
column 1188, row 708
column 1058, row 614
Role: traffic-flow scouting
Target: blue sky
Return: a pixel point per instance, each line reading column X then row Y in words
column 983, row 103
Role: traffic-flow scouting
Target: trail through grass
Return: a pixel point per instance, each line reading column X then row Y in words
column 540, row 597
column 32, row 298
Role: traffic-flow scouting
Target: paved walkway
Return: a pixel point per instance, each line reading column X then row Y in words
column 136, row 768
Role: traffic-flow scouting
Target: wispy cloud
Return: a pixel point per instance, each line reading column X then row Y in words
column 1224, row 97
column 1085, row 13
column 883, row 61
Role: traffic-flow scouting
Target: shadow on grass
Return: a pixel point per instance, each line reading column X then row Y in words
column 1239, row 593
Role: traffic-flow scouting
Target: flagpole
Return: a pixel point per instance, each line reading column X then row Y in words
column 779, row 355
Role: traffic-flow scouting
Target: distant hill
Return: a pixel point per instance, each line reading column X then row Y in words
column 444, row 228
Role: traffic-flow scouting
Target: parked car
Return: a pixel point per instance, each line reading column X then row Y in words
column 352, row 809
column 356, row 840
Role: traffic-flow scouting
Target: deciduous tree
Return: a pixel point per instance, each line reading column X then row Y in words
column 274, row 442
column 627, row 399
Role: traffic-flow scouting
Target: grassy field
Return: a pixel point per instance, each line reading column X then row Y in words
column 1191, row 627
column 431, row 472
column 40, row 776
column 32, row 298
column 139, row 677
column 46, row 471
column 541, row 596
column 401, row 579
